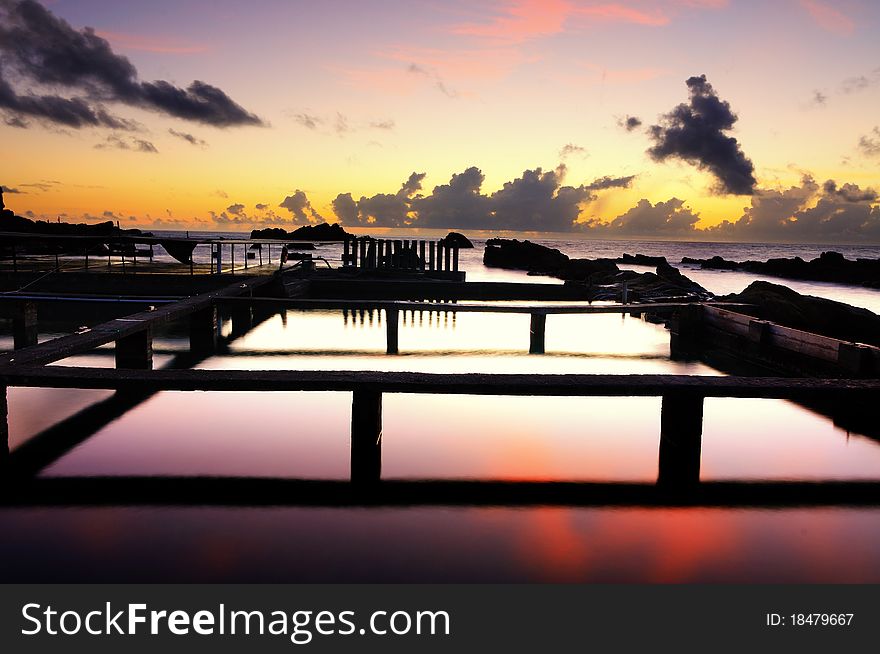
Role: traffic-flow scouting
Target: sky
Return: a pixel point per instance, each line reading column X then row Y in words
column 687, row 119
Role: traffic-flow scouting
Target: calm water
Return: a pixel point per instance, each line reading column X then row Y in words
column 305, row 435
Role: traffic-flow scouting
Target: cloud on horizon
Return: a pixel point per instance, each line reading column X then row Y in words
column 43, row 50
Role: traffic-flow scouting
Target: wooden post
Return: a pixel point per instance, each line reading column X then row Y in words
column 431, row 248
column 536, row 333
column 681, row 435
column 455, row 258
column 219, row 258
column 242, row 319
column 440, row 248
column 203, row 330
column 366, row 437
column 686, row 330
column 15, row 257
column 371, row 255
column 855, row 358
column 135, row 352
column 4, row 432
column 24, row 325
column 346, row 246
column 364, row 243
column 391, row 327
column 759, row 333
column 421, row 255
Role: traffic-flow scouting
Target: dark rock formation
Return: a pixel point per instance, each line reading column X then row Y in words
column 782, row 305
column 641, row 260
column 320, row 232
column 585, row 269
column 828, row 267
column 602, row 276
column 456, row 239
column 300, row 246
column 522, row 255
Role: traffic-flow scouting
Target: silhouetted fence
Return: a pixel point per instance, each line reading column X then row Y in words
column 378, row 253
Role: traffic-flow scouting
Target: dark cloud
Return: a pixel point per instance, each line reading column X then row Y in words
column 45, row 50
column 261, row 207
column 870, row 143
column 849, row 192
column 7, row 189
column 571, row 149
column 69, row 112
column 235, row 209
column 603, row 183
column 189, row 138
column 695, row 133
column 669, row 218
column 630, row 123
column 300, row 208
column 456, row 204
column 116, row 142
column 536, row 201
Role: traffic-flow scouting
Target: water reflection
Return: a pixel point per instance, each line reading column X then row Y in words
column 506, row 439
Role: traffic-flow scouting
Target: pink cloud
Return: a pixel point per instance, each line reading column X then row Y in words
column 126, row 41
column 624, row 14
column 829, row 18
column 520, row 20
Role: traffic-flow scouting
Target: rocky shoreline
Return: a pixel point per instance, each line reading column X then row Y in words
column 828, row 267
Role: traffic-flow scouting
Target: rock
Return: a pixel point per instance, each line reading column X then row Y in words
column 827, row 267
column 300, row 246
column 320, row 232
column 782, row 305
column 641, row 260
column 673, row 276
column 522, row 255
column 585, row 269
column 455, row 239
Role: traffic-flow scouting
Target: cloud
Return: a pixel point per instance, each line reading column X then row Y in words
column 116, row 142
column 44, row 50
column 819, row 99
column 15, row 121
column 300, row 208
column 456, row 204
column 870, row 143
column 261, row 207
column 606, row 182
column 840, row 212
column 570, row 149
column 189, row 138
column 630, row 123
column 308, row 121
column 669, row 218
column 382, row 209
column 10, row 191
column 235, row 209
column 339, row 123
column 536, row 201
column 695, row 133
column 828, row 17
column 221, row 194
column 434, row 76
column 849, row 192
